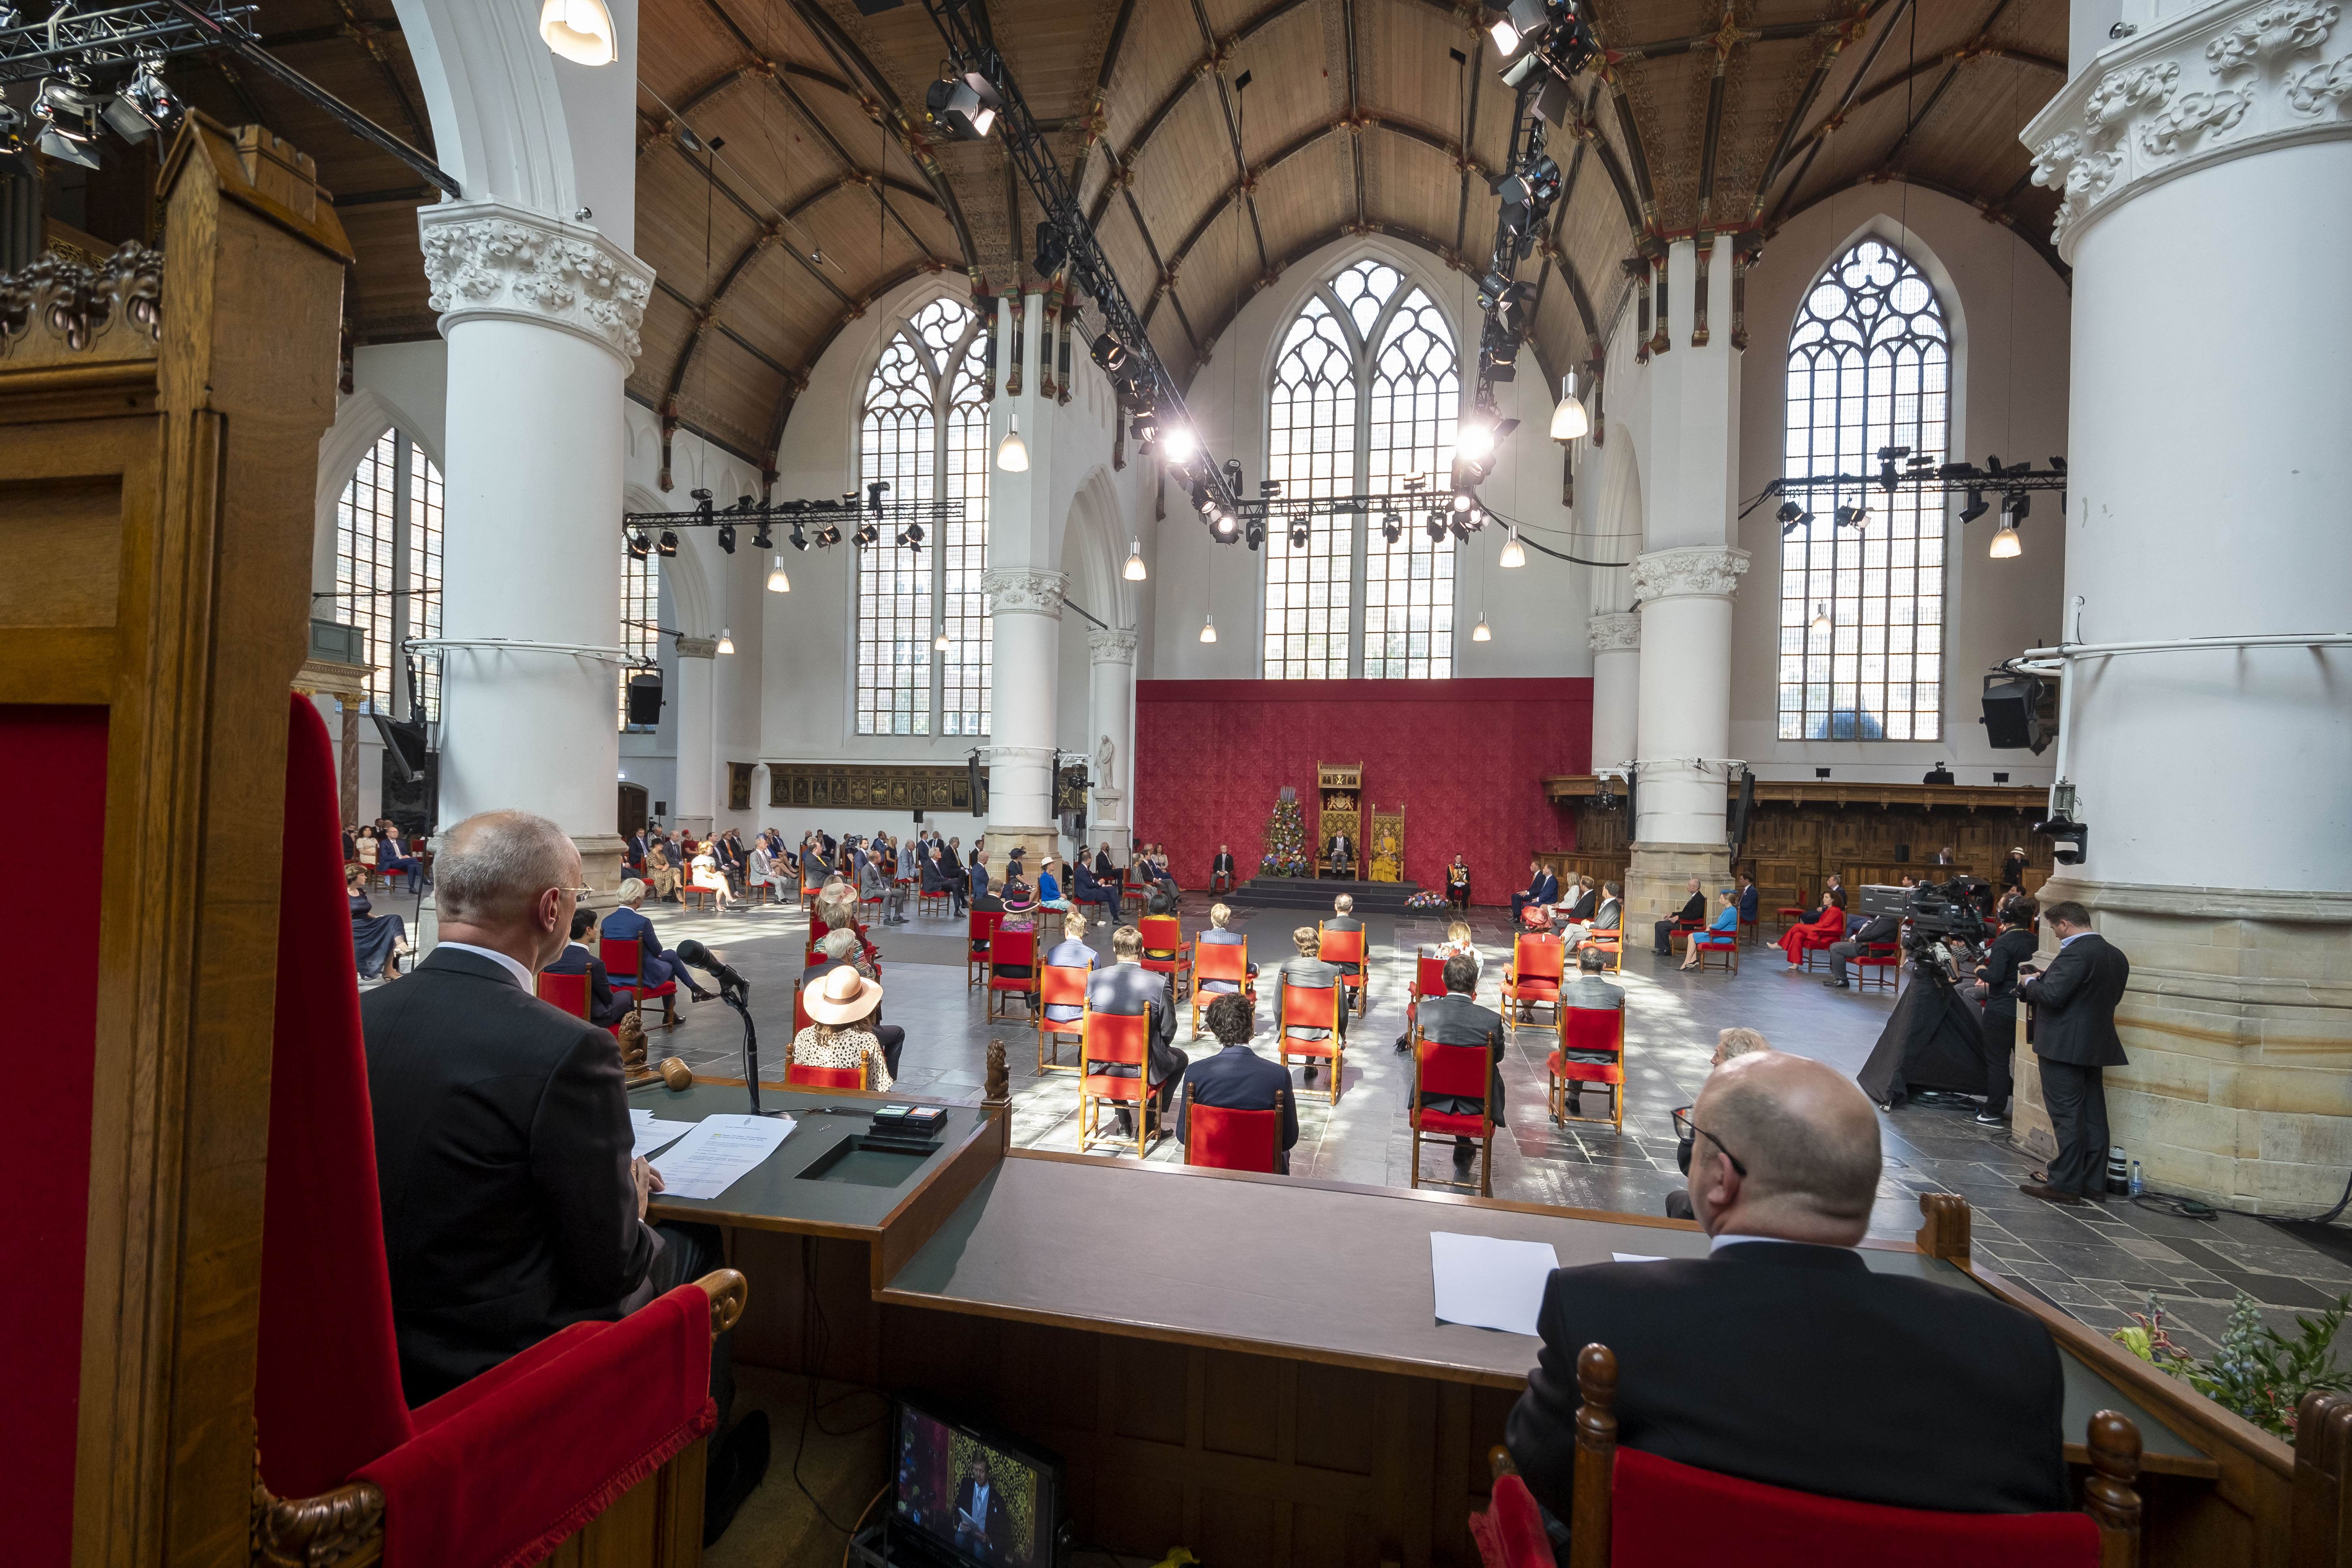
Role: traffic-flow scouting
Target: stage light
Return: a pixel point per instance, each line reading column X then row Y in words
column 828, row 536
column 1822, row 622
column 1176, row 444
column 668, row 546
column 1476, row 438
column 1515, row 554
column 68, row 113
column 1790, row 515
column 1436, row 527
column 1225, row 526
column 1978, row 506
column 1568, row 419
column 1209, row 628
column 145, row 104
column 1525, row 20
column 2018, row 504
column 867, row 533
column 1852, row 515
column 1133, row 571
column 2005, row 545
column 1299, row 534
column 761, row 539
column 580, row 31
column 1012, row 453
column 727, row 537
column 911, row 536
column 1461, row 527
column 1255, row 535
column 799, row 537
column 964, row 105
column 1461, row 501
column 639, row 547
column 1506, row 37
column 1115, row 357
column 726, row 640
column 777, row 582
column 1392, row 527
column 1475, row 518
column 1526, row 195
column 1479, row 632
column 1887, row 456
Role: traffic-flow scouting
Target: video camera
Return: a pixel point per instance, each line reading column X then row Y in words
column 1934, row 914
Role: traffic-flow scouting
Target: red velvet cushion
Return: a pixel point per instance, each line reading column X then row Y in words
column 1533, row 989
column 1230, row 1140
column 326, row 1394
column 1663, row 1513
column 1559, row 1067
column 1510, row 1533
column 502, row 1476
column 1450, row 1124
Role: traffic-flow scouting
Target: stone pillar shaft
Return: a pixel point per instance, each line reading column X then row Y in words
column 697, row 772
column 1112, row 703
column 1615, row 639
column 1027, row 610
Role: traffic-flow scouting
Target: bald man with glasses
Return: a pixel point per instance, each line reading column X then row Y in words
column 1783, row 1358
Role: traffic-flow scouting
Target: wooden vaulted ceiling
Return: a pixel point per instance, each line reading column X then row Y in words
column 1357, row 116
column 827, row 189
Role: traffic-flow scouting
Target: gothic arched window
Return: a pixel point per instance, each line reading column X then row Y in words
column 1862, row 603
column 925, row 429
column 1364, row 396
column 640, row 621
column 388, row 569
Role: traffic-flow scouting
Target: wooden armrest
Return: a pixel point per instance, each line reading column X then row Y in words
column 729, row 1292
column 343, row 1527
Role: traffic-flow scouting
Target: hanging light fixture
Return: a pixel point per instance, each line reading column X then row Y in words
column 777, row 582
column 1515, row 554
column 1822, row 622
column 1568, row 419
column 2005, row 543
column 726, row 640
column 1012, row 453
column 1209, row 628
column 1176, row 444
column 1133, row 571
column 1479, row 632
column 942, row 642
column 580, row 31
column 1475, row 438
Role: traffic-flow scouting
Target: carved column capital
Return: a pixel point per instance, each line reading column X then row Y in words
column 1112, row 646
column 1020, row 591
column 1692, row 570
column 2215, row 82
column 1042, row 755
column 490, row 260
column 1619, row 631
column 698, row 647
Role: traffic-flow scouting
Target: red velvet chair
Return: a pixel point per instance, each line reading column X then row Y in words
column 1226, row 961
column 1717, row 944
column 1538, row 963
column 1588, row 1029
column 622, row 960
column 1428, row 980
column 1121, row 1039
column 1132, row 892
column 1225, row 1139
column 798, row 1077
column 1611, row 942
column 979, row 925
column 1164, row 951
column 1309, row 1008
column 1345, row 948
column 569, row 992
column 1510, row 1533
column 1638, row 1510
column 1800, row 943
column 1011, row 949
column 801, row 1020
column 472, row 1479
column 1060, row 985
column 1877, row 965
column 1459, row 1070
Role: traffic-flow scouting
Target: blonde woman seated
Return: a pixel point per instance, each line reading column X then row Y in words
column 843, row 1034
column 710, row 877
column 1457, row 945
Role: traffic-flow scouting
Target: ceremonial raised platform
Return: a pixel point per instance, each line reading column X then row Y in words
column 1317, row 893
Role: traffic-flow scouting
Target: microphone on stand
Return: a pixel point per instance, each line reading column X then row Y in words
column 701, row 957
column 733, row 990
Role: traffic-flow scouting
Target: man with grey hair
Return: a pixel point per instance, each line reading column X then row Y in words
column 1880, row 1387
column 1588, row 990
column 657, row 964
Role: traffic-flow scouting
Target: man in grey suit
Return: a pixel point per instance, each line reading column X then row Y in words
column 1608, row 917
column 1457, row 1020
column 1308, row 972
column 2075, row 1034
column 1129, row 989
column 1588, row 990
column 1071, row 952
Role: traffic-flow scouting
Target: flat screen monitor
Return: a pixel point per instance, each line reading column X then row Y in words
column 972, row 1495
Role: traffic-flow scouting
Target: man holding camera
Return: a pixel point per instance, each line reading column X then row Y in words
column 2075, row 1034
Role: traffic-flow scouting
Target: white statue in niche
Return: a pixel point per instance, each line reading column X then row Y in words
column 1103, row 755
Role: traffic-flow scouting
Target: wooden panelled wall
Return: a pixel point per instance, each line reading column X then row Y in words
column 1793, row 845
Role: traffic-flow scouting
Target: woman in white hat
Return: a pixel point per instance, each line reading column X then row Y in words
column 843, row 1005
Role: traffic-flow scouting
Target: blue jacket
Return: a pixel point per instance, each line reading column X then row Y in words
column 1747, row 903
column 1048, row 890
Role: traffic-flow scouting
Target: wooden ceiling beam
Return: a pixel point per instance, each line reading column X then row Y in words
column 1226, row 94
column 1095, row 125
column 1840, row 35
column 1428, row 242
column 366, row 33
column 796, row 382
column 1993, row 211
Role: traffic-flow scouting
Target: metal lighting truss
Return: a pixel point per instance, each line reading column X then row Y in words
column 1922, row 476
column 963, row 25
column 847, row 512
column 68, row 35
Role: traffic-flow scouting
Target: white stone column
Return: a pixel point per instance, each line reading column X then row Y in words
column 698, row 769
column 1112, row 703
column 541, row 318
column 2207, row 158
column 1615, row 639
column 1025, row 607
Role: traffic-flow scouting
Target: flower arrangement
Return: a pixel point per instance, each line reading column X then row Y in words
column 1427, row 898
column 1286, row 841
column 2258, row 1374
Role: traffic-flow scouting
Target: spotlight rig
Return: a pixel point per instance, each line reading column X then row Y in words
column 1919, row 476
column 910, row 521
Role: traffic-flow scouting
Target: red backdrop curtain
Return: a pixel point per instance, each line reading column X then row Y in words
column 1466, row 759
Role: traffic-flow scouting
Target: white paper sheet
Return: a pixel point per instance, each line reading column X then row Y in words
column 1488, row 1283
column 652, row 1135
column 718, row 1151
column 1635, row 1258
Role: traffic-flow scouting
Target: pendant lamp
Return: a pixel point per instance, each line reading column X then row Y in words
column 1209, row 628
column 1012, row 453
column 2005, row 543
column 726, row 640
column 580, row 31
column 1133, row 571
column 777, row 582
column 1479, row 633
column 1515, row 554
column 1568, row 419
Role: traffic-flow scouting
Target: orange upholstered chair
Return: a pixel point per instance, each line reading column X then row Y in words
column 1011, row 949
column 569, row 992
column 1460, row 1070
column 622, row 960
column 1226, row 1139
column 979, row 926
column 1116, row 1039
column 1538, row 961
column 1588, row 1029
column 798, row 1077
column 1060, row 985
column 1800, row 943
column 1224, row 962
column 1164, row 951
column 1344, row 948
column 1877, row 965
column 1309, row 1008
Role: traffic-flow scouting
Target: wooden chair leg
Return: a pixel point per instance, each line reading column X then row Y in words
column 1486, row 1168
column 1416, row 1158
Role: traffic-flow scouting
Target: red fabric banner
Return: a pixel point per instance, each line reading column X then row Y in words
column 1466, row 759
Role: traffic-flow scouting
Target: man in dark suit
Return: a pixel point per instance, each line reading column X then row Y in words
column 977, row 878
column 657, row 964
column 1882, row 1388
column 1071, row 952
column 1341, row 855
column 1125, row 987
column 1309, row 973
column 982, row 1526
column 1543, row 888
column 1693, row 914
column 605, row 1009
column 2075, row 1034
column 1457, row 1019
column 1221, row 871
column 1876, row 931
column 1084, row 889
column 1238, row 1079
column 1104, row 867
column 1343, row 917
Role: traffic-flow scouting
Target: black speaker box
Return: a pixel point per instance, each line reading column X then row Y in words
column 2008, row 718
column 645, row 697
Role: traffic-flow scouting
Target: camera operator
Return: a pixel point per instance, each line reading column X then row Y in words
column 2014, row 946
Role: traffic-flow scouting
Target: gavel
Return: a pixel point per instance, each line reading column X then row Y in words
column 670, row 1072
